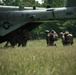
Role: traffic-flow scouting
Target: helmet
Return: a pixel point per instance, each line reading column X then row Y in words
column 61, row 33
column 66, row 32
column 47, row 31
column 53, row 31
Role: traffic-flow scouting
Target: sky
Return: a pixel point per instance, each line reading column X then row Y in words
column 1, row 0
column 40, row 1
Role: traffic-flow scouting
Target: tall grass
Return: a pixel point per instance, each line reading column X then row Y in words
column 38, row 59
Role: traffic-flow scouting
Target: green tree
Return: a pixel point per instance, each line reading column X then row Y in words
column 29, row 3
column 70, row 26
column 21, row 2
column 11, row 2
column 54, row 3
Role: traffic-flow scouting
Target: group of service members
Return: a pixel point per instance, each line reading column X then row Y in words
column 67, row 38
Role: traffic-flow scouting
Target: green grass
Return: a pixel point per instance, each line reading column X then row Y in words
column 38, row 59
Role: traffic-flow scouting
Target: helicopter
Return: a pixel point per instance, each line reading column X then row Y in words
column 15, row 18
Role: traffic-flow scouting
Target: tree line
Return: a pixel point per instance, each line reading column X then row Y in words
column 58, row 26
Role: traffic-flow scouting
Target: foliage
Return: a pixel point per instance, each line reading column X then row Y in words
column 71, row 26
column 54, row 3
column 21, row 2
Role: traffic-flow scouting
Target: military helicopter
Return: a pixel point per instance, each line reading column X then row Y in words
column 13, row 18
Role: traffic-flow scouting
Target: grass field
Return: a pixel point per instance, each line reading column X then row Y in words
column 38, row 59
